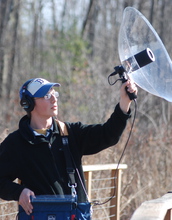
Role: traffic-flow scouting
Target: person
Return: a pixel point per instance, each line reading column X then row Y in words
column 33, row 153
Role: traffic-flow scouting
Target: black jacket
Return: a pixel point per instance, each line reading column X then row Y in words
column 40, row 163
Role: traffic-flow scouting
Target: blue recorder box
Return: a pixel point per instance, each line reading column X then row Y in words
column 50, row 208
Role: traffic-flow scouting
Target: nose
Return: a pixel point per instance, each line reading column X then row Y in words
column 54, row 98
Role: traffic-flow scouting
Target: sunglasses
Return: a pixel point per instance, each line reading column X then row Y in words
column 49, row 95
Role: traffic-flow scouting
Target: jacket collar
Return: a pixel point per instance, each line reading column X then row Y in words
column 28, row 134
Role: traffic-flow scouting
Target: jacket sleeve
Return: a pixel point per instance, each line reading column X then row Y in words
column 93, row 138
column 9, row 190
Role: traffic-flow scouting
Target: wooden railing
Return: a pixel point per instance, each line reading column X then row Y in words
column 105, row 187
column 157, row 209
column 100, row 185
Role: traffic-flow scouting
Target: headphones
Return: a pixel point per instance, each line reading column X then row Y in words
column 26, row 101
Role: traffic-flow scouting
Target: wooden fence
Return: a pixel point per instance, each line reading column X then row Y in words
column 100, row 184
column 101, row 187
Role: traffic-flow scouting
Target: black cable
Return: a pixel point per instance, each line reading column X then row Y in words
column 113, row 83
column 126, row 144
column 96, row 202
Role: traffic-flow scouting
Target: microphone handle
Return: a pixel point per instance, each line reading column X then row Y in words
column 133, row 95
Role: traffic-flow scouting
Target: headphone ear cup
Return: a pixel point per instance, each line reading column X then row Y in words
column 27, row 103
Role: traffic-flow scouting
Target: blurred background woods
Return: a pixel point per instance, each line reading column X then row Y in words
column 75, row 43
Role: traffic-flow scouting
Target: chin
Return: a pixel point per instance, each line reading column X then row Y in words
column 55, row 113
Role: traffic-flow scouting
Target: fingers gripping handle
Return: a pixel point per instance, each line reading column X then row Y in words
column 133, row 95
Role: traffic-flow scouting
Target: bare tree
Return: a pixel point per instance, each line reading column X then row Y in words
column 12, row 53
column 91, row 21
column 34, row 33
column 162, row 14
column 151, row 11
column 5, row 10
column 87, row 16
column 54, row 20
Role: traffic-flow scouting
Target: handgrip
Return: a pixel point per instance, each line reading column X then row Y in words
column 133, row 95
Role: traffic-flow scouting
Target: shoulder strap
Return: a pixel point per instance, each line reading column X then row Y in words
column 69, row 165
column 63, row 128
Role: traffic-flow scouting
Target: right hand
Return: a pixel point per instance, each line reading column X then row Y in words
column 124, row 98
column 24, row 200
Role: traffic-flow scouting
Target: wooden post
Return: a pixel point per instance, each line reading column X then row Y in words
column 115, row 202
column 88, row 178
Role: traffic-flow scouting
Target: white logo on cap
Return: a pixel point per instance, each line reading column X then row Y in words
column 36, row 84
column 41, row 81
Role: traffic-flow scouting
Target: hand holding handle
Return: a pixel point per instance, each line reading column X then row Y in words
column 133, row 95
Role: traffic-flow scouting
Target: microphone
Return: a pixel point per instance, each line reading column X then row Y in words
column 135, row 62
column 139, row 60
column 132, row 64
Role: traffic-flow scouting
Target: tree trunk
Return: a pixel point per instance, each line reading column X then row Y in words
column 90, row 22
column 87, row 17
column 162, row 14
column 151, row 12
column 34, row 35
column 54, row 21
column 13, row 47
column 5, row 10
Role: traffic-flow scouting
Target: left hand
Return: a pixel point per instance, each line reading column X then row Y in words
column 24, row 200
column 124, row 98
